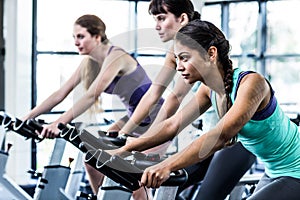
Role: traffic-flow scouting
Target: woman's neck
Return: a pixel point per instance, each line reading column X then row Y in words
column 215, row 81
column 100, row 52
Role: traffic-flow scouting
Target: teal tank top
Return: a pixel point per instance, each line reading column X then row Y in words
column 270, row 135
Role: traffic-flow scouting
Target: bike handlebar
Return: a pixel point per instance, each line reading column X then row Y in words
column 114, row 167
column 123, row 172
column 23, row 128
column 71, row 134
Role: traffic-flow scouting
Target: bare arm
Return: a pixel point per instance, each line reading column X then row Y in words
column 56, row 97
column 173, row 101
column 109, row 70
column 155, row 92
column 253, row 95
column 170, row 127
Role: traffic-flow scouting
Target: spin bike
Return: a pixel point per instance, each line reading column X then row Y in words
column 125, row 174
column 51, row 180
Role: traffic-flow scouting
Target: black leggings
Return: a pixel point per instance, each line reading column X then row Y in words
column 221, row 172
column 277, row 189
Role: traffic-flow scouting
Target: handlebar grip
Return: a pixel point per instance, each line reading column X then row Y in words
column 35, row 125
column 61, row 126
column 115, row 141
column 97, row 143
column 23, row 129
column 123, row 172
column 72, row 135
column 177, row 178
column 125, row 166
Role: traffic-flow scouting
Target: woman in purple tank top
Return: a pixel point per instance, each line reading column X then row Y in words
column 105, row 68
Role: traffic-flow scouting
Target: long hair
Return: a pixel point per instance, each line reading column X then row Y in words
column 201, row 35
column 89, row 72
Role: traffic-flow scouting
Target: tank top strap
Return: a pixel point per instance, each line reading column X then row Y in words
column 113, row 48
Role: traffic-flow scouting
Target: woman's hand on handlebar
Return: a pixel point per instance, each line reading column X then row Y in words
column 50, row 131
column 155, row 175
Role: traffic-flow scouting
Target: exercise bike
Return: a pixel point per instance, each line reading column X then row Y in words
column 125, row 173
column 54, row 176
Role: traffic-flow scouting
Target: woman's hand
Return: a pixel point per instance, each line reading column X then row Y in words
column 155, row 175
column 50, row 131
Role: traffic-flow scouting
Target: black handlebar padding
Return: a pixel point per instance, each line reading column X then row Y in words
column 176, row 178
column 35, row 125
column 117, row 141
column 19, row 126
column 76, row 138
column 97, row 143
column 25, row 130
column 102, row 160
column 143, row 164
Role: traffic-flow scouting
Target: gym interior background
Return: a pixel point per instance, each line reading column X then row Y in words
column 37, row 52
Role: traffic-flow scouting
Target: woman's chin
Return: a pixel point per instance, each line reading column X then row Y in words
column 188, row 81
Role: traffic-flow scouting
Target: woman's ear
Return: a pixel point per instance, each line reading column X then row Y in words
column 212, row 53
column 99, row 38
column 184, row 19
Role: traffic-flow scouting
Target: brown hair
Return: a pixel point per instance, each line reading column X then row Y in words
column 94, row 25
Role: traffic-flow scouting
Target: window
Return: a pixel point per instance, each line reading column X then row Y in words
column 263, row 36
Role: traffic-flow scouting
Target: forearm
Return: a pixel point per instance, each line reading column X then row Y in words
column 159, row 134
column 44, row 107
column 173, row 100
column 77, row 109
column 168, row 109
column 141, row 111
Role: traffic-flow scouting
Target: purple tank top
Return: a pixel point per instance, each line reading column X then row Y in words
column 130, row 89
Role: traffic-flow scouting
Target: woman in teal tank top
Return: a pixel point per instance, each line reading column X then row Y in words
column 248, row 112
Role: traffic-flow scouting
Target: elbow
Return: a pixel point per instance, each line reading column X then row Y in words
column 173, row 127
column 91, row 96
column 175, row 99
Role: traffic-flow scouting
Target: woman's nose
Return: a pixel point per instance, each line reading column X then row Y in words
column 179, row 66
column 76, row 42
column 157, row 26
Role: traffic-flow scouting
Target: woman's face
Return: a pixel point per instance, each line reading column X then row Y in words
column 166, row 25
column 191, row 65
column 84, row 41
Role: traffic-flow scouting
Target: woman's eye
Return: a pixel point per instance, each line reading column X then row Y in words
column 184, row 58
column 80, row 36
column 160, row 18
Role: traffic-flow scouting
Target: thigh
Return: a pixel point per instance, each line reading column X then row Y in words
column 278, row 189
column 225, row 170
